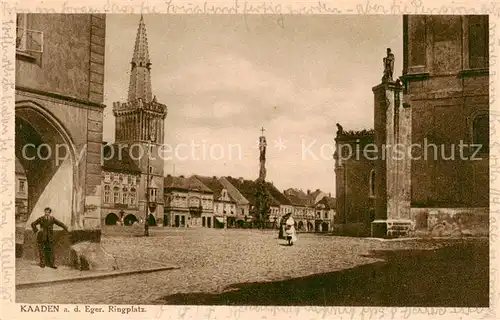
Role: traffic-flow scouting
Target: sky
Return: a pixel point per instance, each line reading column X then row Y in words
column 225, row 77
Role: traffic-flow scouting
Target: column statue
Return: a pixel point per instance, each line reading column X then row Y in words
column 388, row 66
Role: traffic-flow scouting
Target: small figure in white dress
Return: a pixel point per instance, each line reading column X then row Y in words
column 291, row 237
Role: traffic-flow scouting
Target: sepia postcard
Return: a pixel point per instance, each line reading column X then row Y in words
column 308, row 160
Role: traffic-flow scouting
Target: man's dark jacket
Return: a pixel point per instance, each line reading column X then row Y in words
column 46, row 228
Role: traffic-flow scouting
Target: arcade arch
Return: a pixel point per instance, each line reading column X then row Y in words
column 46, row 151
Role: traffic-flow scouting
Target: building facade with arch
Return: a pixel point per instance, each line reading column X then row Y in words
column 58, row 119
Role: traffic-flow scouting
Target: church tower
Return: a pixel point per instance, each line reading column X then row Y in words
column 140, row 127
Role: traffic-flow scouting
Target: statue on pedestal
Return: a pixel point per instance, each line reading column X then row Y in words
column 388, row 66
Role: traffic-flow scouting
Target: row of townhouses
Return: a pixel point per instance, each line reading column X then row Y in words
column 197, row 201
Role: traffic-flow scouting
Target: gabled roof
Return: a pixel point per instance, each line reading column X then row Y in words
column 297, row 197
column 120, row 160
column 245, row 187
column 328, row 202
column 185, row 184
column 213, row 184
column 332, row 202
column 276, row 194
column 234, row 192
column 248, row 188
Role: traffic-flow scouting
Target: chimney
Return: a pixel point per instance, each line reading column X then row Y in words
column 241, row 179
column 308, row 192
column 329, row 194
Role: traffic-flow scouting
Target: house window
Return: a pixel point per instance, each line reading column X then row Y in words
column 125, row 179
column 125, row 196
column 27, row 40
column 372, row 183
column 133, row 180
column 478, row 41
column 132, row 196
column 116, row 178
column 107, row 194
column 116, row 195
column 481, row 134
column 150, row 169
column 326, row 215
column 107, row 177
column 22, row 186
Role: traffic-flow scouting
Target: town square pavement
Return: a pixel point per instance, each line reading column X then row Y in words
column 248, row 267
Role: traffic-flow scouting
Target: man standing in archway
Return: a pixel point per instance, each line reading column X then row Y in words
column 45, row 237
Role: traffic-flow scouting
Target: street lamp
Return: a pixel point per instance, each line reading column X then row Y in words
column 148, row 191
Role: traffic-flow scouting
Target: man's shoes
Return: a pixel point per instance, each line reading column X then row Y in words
column 42, row 266
column 53, row 267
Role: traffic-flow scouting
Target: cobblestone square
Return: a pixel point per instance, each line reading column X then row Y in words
column 211, row 261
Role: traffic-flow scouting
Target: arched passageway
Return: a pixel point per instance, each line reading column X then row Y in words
column 301, row 226
column 111, row 219
column 151, row 220
column 46, row 152
column 324, row 227
column 310, row 226
column 130, row 219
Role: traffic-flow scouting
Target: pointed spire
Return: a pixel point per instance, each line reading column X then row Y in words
column 140, row 77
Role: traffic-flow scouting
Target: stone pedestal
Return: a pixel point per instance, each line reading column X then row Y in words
column 391, row 228
column 91, row 256
column 63, row 241
column 392, row 125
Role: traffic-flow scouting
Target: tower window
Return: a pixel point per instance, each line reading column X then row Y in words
column 481, row 134
column 478, row 41
column 372, row 183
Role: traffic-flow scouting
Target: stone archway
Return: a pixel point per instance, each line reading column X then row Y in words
column 111, row 219
column 301, row 226
column 129, row 219
column 47, row 153
column 151, row 220
column 310, row 227
column 324, row 227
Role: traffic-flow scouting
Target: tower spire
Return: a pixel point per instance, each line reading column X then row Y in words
column 140, row 76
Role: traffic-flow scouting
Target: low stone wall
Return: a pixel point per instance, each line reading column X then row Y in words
column 444, row 222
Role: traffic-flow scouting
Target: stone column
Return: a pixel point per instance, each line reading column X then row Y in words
column 393, row 164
